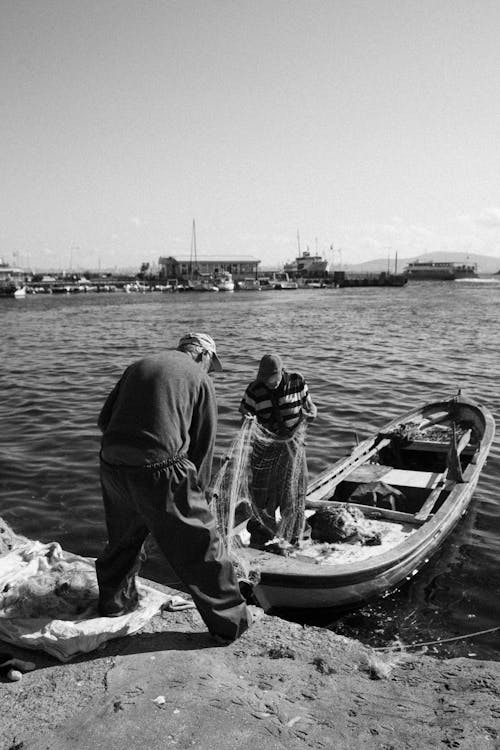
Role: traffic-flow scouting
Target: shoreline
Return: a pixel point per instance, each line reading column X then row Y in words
column 280, row 685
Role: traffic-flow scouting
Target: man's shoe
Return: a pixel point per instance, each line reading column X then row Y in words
column 246, row 590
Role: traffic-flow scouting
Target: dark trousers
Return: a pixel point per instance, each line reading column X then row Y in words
column 166, row 501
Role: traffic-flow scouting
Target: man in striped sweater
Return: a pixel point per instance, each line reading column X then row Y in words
column 280, row 402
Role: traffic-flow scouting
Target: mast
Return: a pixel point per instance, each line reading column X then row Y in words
column 298, row 241
column 194, row 245
column 193, row 258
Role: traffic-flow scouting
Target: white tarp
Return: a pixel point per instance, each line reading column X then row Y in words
column 48, row 601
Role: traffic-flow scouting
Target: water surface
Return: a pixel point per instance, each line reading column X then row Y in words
column 367, row 354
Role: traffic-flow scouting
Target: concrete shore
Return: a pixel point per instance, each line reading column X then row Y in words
column 280, row 685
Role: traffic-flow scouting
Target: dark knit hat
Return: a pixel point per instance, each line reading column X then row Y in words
column 269, row 365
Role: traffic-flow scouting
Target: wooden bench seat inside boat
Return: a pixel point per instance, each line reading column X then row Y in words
column 395, row 477
column 435, row 447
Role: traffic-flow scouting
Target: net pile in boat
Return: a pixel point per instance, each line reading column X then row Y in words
column 437, row 433
column 390, row 534
column 264, row 476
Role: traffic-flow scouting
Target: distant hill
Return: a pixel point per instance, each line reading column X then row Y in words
column 485, row 263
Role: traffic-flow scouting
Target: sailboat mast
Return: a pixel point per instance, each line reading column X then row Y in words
column 194, row 245
column 193, row 258
column 191, row 254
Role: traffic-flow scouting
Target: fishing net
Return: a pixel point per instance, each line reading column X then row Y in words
column 436, row 433
column 261, row 484
column 41, row 580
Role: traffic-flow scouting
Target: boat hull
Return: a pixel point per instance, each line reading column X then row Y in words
column 350, row 588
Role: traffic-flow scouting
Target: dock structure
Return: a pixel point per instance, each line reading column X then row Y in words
column 344, row 279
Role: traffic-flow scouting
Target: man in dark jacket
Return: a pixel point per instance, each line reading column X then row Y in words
column 159, row 424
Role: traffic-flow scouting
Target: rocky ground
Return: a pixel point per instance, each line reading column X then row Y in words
column 281, row 685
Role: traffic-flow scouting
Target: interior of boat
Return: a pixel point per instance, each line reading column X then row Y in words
column 412, row 470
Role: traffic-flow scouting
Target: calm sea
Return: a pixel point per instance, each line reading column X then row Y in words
column 368, row 355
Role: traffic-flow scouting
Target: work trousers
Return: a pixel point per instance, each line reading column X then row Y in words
column 166, row 501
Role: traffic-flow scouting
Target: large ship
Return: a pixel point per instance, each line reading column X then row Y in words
column 307, row 266
column 440, row 270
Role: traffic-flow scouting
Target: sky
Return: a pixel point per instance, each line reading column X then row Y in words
column 352, row 128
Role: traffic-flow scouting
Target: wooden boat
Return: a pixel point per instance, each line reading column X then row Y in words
column 430, row 459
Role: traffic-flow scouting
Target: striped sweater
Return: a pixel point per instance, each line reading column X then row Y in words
column 280, row 409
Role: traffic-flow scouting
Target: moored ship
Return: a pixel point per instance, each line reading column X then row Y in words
column 307, row 266
column 440, row 270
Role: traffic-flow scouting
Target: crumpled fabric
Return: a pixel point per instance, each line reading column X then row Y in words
column 68, row 627
column 175, row 603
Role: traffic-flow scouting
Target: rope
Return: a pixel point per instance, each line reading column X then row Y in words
column 444, row 640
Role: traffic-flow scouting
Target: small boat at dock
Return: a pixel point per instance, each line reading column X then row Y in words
column 279, row 280
column 249, row 284
column 400, row 493
column 224, row 281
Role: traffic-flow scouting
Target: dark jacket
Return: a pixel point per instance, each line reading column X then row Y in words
column 162, row 406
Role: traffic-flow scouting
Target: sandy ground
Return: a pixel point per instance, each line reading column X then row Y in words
column 281, row 685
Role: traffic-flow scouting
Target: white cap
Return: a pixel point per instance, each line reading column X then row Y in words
column 206, row 342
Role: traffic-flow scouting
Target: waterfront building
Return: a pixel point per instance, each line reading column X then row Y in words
column 186, row 267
